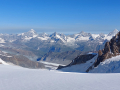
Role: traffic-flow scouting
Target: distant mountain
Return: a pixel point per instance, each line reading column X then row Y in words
column 113, row 33
column 82, row 36
column 30, row 33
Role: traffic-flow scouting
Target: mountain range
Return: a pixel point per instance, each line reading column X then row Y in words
column 56, row 37
column 56, row 47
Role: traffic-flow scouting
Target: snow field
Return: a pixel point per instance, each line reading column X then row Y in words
column 17, row 78
column 111, row 65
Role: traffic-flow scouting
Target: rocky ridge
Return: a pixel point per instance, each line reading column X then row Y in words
column 111, row 49
column 80, row 59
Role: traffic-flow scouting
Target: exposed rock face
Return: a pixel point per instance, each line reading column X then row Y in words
column 82, row 59
column 15, row 51
column 79, row 59
column 112, row 48
column 20, row 60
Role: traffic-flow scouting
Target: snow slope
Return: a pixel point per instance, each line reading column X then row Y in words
column 80, row 67
column 3, row 62
column 17, row 78
column 111, row 65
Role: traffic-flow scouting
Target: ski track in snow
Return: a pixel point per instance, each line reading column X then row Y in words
column 18, row 78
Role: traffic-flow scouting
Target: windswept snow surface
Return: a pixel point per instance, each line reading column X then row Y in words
column 18, row 78
column 111, row 65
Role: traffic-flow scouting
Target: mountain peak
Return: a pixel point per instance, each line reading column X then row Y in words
column 82, row 32
column 113, row 33
column 53, row 34
column 32, row 31
column 115, row 30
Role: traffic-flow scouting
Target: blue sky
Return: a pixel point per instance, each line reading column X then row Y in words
column 64, row 16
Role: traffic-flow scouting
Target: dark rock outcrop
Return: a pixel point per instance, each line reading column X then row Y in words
column 111, row 49
column 79, row 60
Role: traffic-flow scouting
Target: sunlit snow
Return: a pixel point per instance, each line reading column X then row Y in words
column 18, row 78
column 111, row 65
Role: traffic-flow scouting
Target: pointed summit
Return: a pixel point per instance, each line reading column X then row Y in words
column 82, row 32
column 32, row 31
column 53, row 34
column 113, row 33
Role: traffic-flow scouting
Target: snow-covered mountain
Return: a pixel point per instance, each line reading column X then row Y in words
column 82, row 36
column 78, row 41
column 56, row 36
column 30, row 33
column 113, row 33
